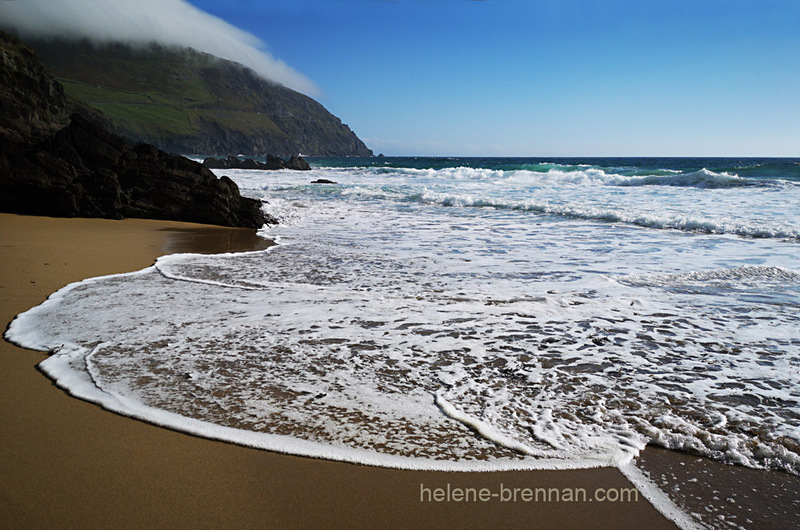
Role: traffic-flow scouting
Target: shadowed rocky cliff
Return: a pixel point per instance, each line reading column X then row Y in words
column 57, row 159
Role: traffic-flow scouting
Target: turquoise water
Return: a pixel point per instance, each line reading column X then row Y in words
column 756, row 168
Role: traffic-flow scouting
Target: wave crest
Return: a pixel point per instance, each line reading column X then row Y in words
column 664, row 221
column 719, row 281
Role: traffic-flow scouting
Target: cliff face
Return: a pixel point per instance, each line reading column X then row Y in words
column 57, row 160
column 185, row 101
column 32, row 104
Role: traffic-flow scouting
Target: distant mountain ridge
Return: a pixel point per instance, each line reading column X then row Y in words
column 185, row 101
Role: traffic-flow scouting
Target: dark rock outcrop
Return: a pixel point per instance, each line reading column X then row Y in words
column 298, row 163
column 222, row 163
column 58, row 162
column 272, row 163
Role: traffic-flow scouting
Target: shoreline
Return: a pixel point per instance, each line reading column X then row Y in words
column 70, row 463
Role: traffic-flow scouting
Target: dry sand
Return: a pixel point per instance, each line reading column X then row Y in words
column 68, row 463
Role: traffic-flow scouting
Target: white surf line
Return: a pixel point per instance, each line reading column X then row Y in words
column 658, row 498
column 165, row 260
column 482, row 428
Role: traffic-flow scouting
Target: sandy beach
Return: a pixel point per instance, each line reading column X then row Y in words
column 68, row 463
column 595, row 264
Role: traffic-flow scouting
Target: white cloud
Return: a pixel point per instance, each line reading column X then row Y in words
column 169, row 22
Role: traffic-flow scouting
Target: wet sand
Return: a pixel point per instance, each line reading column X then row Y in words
column 68, row 463
column 725, row 496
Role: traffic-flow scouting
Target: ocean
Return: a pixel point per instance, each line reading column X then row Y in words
column 467, row 314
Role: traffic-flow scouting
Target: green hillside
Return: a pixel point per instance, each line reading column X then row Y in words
column 190, row 102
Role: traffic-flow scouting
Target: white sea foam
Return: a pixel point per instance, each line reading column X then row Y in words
column 691, row 220
column 420, row 319
column 701, row 201
column 121, row 376
column 658, row 498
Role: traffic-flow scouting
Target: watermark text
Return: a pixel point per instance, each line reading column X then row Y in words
column 450, row 493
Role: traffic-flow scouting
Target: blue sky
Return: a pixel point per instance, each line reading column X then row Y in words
column 545, row 77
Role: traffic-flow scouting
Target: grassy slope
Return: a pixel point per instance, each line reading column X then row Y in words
column 151, row 113
column 139, row 112
column 160, row 96
column 169, row 97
